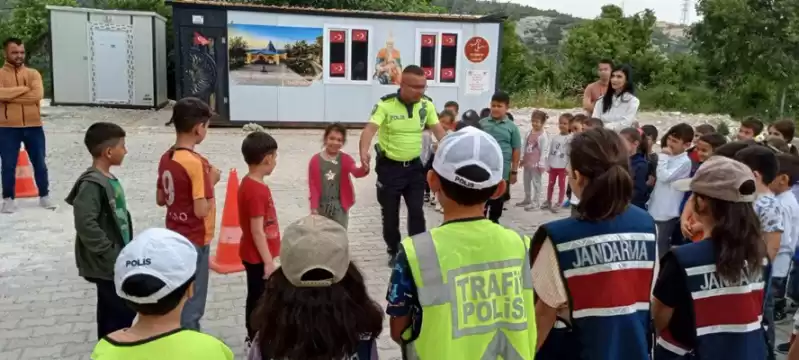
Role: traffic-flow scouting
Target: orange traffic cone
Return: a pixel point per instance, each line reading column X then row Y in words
column 227, row 260
column 25, row 186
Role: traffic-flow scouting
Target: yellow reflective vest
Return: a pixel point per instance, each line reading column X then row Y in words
column 476, row 293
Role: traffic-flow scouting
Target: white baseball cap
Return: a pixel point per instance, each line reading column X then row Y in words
column 314, row 242
column 160, row 253
column 465, row 147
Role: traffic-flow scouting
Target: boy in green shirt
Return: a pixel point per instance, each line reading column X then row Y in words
column 102, row 223
column 500, row 126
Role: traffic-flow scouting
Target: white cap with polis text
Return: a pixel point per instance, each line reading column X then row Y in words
column 160, row 253
column 469, row 147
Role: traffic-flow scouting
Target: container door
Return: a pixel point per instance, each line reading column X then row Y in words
column 110, row 66
column 205, row 68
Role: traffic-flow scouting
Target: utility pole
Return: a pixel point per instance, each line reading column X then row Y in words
column 686, row 7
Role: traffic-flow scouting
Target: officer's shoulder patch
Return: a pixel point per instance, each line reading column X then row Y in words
column 389, row 96
column 427, row 98
column 374, row 109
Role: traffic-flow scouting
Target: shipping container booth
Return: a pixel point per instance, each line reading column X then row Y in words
column 110, row 58
column 289, row 67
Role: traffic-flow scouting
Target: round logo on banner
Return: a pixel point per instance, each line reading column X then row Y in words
column 476, row 49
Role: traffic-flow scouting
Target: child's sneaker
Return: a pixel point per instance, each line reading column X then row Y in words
column 9, row 206
column 524, row 203
column 554, row 209
column 531, row 207
column 546, row 205
column 426, row 197
column 566, row 203
column 439, row 208
column 780, row 317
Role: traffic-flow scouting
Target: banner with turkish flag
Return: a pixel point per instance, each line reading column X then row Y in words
column 337, row 69
column 428, row 40
column 447, row 73
column 199, row 39
column 338, row 36
column 360, row 35
column 449, row 40
column 428, row 73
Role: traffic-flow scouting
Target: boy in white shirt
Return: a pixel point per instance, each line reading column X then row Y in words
column 673, row 164
column 781, row 186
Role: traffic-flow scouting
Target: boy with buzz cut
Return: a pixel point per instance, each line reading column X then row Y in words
column 155, row 275
column 750, row 128
column 260, row 232
column 186, row 187
column 467, row 172
column 507, row 135
column 102, row 223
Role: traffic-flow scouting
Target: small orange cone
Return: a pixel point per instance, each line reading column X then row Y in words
column 25, row 186
column 227, row 260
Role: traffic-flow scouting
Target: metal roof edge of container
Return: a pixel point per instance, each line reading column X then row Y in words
column 104, row 11
column 491, row 18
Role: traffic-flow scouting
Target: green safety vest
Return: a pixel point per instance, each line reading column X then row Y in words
column 477, row 304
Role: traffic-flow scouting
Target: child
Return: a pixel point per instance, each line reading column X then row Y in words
column 593, row 123
column 638, row 148
column 186, row 187
column 763, row 162
column 469, row 118
column 316, row 305
column 673, row 164
column 781, row 187
column 506, row 133
column 705, row 146
column 785, row 130
column 750, row 128
column 651, row 133
column 331, row 190
column 557, row 161
column 699, row 130
column 425, row 156
column 576, row 126
column 464, row 183
column 453, row 107
column 486, row 112
column 155, row 275
column 260, row 233
column 447, row 120
column 534, row 160
column 102, row 223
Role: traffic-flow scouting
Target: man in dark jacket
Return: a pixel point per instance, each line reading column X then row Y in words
column 102, row 224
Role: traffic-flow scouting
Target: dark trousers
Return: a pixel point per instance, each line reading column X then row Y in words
column 394, row 180
column 33, row 138
column 255, row 289
column 494, row 207
column 112, row 312
column 428, row 167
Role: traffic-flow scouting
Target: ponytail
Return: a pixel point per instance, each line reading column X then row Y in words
column 599, row 156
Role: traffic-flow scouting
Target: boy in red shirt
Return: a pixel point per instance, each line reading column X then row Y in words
column 186, row 187
column 260, row 233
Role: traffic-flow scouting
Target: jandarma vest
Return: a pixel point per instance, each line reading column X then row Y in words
column 608, row 268
column 476, row 296
column 728, row 315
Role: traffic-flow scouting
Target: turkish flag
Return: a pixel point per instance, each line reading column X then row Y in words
column 428, row 73
column 428, row 40
column 360, row 35
column 199, row 39
column 447, row 74
column 337, row 69
column 337, row 36
column 449, row 39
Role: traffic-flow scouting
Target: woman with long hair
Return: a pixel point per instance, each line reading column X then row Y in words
column 316, row 306
column 619, row 106
column 708, row 300
column 593, row 273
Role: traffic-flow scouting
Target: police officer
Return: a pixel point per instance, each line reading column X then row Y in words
column 400, row 118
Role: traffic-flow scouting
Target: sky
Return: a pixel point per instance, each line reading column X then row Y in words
column 259, row 36
column 665, row 10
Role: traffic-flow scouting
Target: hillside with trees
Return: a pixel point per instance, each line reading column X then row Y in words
column 742, row 58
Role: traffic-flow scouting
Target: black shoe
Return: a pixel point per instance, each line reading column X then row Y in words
column 784, row 348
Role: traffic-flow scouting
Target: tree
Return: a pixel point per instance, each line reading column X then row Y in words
column 750, row 49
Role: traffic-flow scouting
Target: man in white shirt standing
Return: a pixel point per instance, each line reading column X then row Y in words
column 673, row 164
